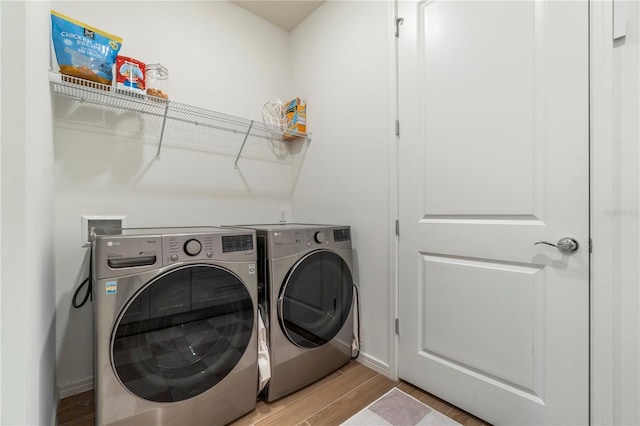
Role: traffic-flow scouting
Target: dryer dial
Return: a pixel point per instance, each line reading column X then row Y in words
column 192, row 247
column 319, row 237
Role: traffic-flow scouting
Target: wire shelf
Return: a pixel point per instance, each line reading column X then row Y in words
column 111, row 97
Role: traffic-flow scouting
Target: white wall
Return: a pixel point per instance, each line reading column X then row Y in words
column 340, row 62
column 28, row 289
column 626, row 221
column 220, row 57
column 1, row 376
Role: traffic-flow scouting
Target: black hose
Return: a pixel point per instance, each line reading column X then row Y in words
column 358, row 319
column 89, row 293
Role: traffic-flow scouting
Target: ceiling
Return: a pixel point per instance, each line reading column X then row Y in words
column 284, row 14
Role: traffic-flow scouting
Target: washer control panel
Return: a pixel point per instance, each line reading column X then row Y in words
column 118, row 255
column 180, row 248
column 142, row 249
column 189, row 247
column 232, row 243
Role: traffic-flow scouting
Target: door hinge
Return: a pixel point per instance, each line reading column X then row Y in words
column 590, row 245
column 397, row 325
column 397, row 227
column 398, row 22
column 620, row 14
column 397, row 127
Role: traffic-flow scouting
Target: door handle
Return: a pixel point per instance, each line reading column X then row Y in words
column 565, row 245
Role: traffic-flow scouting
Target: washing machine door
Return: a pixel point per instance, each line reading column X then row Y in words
column 182, row 333
column 315, row 299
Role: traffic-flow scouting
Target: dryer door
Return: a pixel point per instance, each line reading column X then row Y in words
column 182, row 333
column 315, row 299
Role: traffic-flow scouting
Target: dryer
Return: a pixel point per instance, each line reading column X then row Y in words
column 306, row 290
column 175, row 326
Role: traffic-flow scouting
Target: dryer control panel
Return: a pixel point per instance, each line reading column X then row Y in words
column 343, row 234
column 284, row 242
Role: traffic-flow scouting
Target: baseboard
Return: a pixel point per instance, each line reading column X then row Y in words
column 75, row 388
column 374, row 364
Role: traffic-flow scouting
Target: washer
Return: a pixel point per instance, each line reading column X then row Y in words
column 306, row 290
column 175, row 315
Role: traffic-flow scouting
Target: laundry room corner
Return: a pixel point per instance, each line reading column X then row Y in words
column 111, row 162
column 340, row 63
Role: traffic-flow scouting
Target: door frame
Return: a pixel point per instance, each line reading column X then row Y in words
column 601, row 199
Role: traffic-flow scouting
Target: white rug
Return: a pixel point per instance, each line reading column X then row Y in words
column 397, row 408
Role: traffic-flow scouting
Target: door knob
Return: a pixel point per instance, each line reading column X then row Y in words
column 565, row 245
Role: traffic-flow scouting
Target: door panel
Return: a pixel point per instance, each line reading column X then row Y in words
column 498, row 344
column 493, row 158
column 477, row 76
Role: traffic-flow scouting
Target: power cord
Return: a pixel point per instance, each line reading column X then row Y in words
column 87, row 281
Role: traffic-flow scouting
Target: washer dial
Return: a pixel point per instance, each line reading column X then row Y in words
column 192, row 247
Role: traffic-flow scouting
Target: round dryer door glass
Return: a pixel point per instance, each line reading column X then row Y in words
column 316, row 298
column 183, row 333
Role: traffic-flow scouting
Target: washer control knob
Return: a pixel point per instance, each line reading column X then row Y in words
column 192, row 247
column 174, row 257
column 319, row 237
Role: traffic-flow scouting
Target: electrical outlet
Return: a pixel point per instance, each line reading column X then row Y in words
column 283, row 215
column 111, row 225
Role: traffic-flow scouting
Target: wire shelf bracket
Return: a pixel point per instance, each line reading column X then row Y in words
column 164, row 122
column 235, row 163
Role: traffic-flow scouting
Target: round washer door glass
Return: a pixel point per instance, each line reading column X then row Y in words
column 183, row 333
column 316, row 298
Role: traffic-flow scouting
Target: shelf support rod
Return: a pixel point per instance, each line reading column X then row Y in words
column 235, row 164
column 164, row 122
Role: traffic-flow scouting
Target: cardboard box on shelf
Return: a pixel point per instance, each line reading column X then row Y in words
column 296, row 117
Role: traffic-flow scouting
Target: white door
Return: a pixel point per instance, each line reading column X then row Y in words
column 493, row 158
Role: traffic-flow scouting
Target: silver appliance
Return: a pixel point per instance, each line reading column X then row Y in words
column 175, row 315
column 306, row 292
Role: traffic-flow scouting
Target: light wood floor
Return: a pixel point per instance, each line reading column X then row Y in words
column 327, row 402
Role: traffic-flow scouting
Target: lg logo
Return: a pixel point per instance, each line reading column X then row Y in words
column 113, row 243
